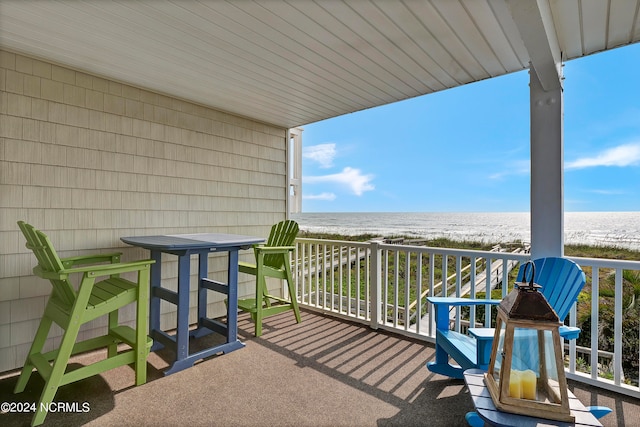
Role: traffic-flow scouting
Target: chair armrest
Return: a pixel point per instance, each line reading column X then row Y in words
column 94, row 270
column 112, row 257
column 273, row 249
column 599, row 411
column 569, row 332
column 109, row 269
column 442, row 305
column 484, row 342
column 458, row 301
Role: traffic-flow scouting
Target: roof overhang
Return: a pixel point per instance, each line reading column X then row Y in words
column 298, row 62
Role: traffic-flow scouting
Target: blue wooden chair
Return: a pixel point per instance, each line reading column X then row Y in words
column 561, row 280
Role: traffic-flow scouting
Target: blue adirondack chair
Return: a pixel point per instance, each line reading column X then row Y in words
column 561, row 280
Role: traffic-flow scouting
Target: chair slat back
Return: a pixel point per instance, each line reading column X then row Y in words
column 561, row 280
column 48, row 260
column 283, row 233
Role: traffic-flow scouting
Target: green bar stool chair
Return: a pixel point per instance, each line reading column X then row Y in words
column 101, row 292
column 272, row 260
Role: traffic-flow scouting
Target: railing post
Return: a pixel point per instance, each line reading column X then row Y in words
column 376, row 284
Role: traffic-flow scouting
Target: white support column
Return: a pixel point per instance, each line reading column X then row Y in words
column 547, row 169
column 535, row 24
column 295, row 170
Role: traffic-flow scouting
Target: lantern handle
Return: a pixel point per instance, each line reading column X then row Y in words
column 533, row 273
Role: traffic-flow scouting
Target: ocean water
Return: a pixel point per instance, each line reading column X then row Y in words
column 620, row 229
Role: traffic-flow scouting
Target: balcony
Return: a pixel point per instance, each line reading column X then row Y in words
column 325, row 371
column 358, row 357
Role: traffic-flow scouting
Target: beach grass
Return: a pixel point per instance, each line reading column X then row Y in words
column 574, row 250
column 606, row 252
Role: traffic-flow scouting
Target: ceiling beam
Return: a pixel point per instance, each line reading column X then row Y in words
column 535, row 23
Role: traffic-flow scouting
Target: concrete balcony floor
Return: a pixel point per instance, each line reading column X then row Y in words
column 321, row 372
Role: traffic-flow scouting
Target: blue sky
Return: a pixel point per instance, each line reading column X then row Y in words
column 467, row 149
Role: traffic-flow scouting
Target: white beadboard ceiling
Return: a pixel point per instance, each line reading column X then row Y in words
column 291, row 63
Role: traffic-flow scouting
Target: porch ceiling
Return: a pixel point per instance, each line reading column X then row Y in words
column 297, row 62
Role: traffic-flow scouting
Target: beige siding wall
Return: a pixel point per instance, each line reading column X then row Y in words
column 89, row 160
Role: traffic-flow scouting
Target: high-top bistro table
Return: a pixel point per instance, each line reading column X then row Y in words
column 183, row 246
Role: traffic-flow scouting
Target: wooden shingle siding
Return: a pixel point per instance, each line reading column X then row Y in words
column 89, row 160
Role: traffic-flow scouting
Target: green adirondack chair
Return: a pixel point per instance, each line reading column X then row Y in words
column 70, row 309
column 272, row 260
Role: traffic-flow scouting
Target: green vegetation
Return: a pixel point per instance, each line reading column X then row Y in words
column 440, row 242
column 406, row 271
column 333, row 236
column 606, row 252
column 606, row 307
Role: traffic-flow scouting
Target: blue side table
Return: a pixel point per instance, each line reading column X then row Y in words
column 486, row 411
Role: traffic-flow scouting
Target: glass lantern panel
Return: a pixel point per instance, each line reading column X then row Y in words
column 526, row 350
column 528, row 347
column 500, row 351
column 525, row 366
column 533, row 363
column 550, row 357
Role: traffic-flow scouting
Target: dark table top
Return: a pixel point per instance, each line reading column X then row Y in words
column 192, row 241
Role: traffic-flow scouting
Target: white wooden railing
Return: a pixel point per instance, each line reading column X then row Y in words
column 378, row 283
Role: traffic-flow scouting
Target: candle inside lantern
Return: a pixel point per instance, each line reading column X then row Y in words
column 528, row 383
column 515, row 384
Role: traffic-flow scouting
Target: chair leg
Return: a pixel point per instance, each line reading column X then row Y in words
column 112, row 349
column 265, row 293
column 292, row 293
column 36, row 347
column 57, row 372
column 142, row 326
column 473, row 419
column 260, row 291
column 442, row 366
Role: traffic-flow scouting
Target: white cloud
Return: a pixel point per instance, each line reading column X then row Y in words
column 622, row 155
column 321, row 153
column 321, row 196
column 607, row 192
column 516, row 167
column 349, row 177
